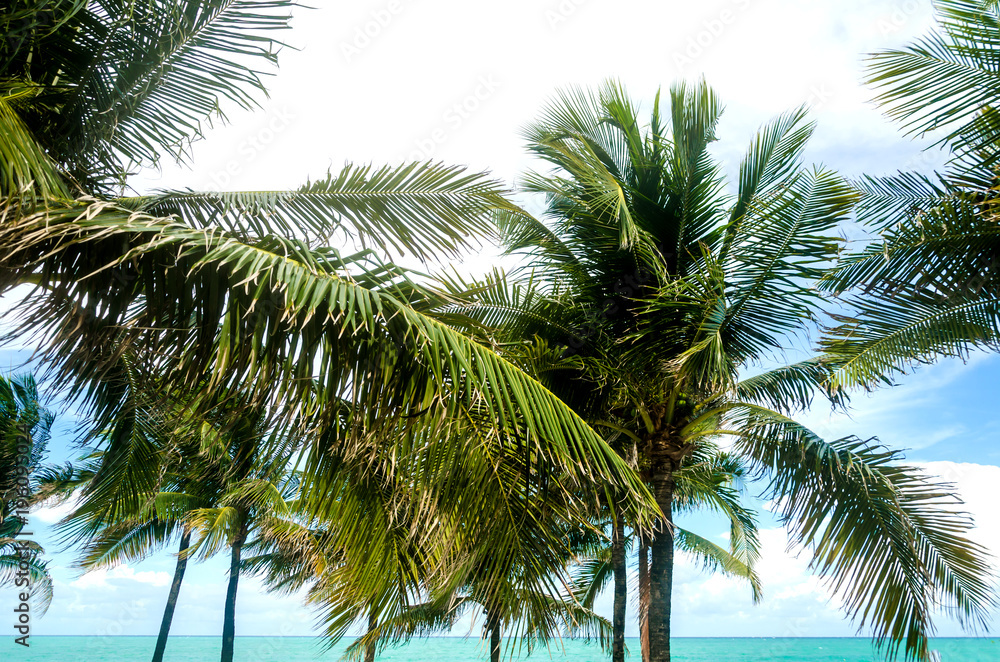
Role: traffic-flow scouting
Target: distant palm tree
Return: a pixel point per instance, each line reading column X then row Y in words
column 250, row 486
column 213, row 486
column 510, row 562
column 109, row 539
column 656, row 292
column 149, row 447
column 703, row 483
column 25, row 427
column 928, row 283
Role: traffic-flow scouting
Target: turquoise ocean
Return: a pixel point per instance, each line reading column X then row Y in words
column 449, row 649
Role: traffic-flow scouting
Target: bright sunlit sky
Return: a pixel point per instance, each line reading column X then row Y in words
column 393, row 80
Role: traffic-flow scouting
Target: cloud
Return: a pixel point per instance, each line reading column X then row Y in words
column 796, row 602
column 54, row 513
column 106, row 577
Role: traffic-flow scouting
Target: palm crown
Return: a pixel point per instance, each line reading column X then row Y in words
column 656, row 291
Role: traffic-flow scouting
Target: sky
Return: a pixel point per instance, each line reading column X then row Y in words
column 389, row 81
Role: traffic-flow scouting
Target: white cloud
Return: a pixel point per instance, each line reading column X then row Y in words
column 54, row 513
column 104, row 577
column 796, row 602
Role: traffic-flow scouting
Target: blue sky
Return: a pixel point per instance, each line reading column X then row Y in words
column 455, row 81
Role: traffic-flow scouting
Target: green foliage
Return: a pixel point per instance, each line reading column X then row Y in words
column 928, row 284
column 649, row 295
column 24, row 424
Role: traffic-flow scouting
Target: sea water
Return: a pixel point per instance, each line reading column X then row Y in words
column 454, row 649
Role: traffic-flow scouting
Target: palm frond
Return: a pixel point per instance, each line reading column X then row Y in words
column 426, row 209
column 715, row 559
column 887, row 538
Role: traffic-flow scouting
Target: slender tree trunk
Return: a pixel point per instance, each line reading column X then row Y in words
column 644, row 596
column 372, row 624
column 493, row 626
column 175, row 589
column 661, row 568
column 229, row 617
column 621, row 589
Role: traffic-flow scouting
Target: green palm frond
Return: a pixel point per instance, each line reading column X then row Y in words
column 568, row 617
column 927, row 283
column 591, row 576
column 38, row 577
column 950, row 251
column 419, row 620
column 26, row 168
column 427, row 209
column 783, row 244
column 215, row 528
column 247, row 294
column 886, row 337
column 520, row 307
column 775, row 153
column 793, row 387
column 930, row 287
column 144, row 78
column 884, row 201
column 715, row 559
column 126, row 541
column 943, row 80
column 887, row 538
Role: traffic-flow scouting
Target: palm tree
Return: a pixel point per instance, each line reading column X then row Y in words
column 238, row 291
column 250, row 487
column 149, row 453
column 25, row 427
column 510, row 562
column 131, row 536
column 703, row 483
column 213, row 488
column 411, row 540
column 928, row 282
column 658, row 293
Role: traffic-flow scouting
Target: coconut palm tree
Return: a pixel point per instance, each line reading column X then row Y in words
column 703, row 483
column 511, row 564
column 239, row 291
column 660, row 295
column 213, row 488
column 147, row 453
column 250, row 488
column 927, row 284
column 25, row 427
column 131, row 536
column 391, row 547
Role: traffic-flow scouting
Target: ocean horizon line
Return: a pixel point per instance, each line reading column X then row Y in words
column 452, row 636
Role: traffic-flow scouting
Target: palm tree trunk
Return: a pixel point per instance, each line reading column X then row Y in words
column 229, row 617
column 372, row 624
column 644, row 596
column 661, row 568
column 175, row 589
column 621, row 590
column 493, row 625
